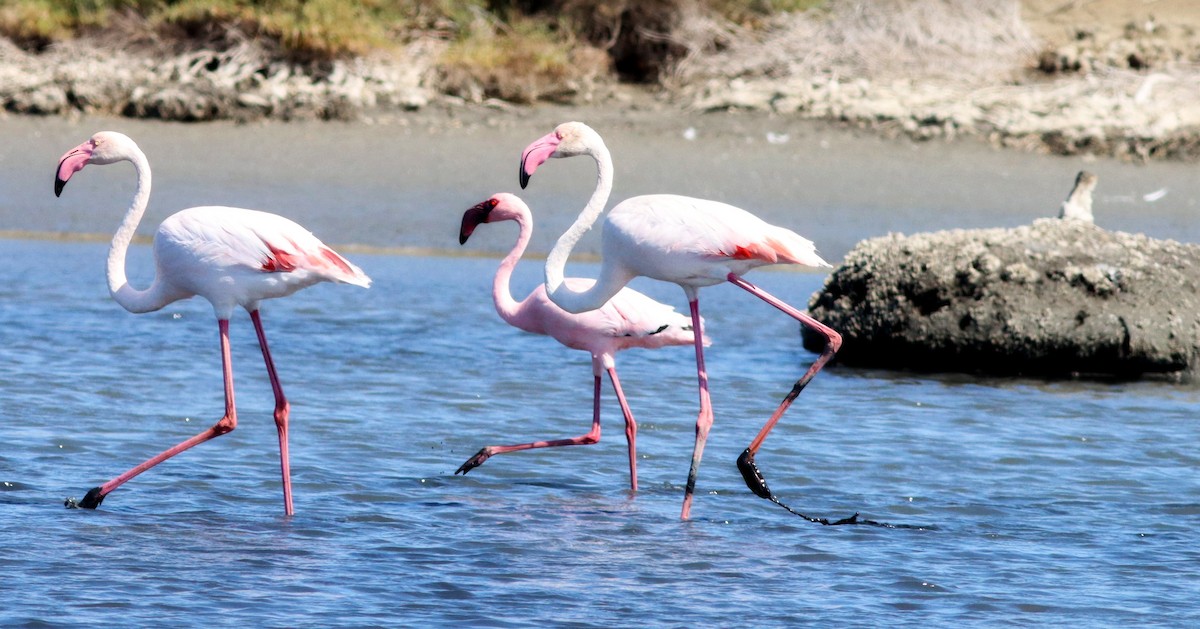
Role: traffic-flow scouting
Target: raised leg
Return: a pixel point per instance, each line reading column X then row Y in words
column 750, row 472
column 705, row 418
column 227, row 423
column 584, row 440
column 630, row 427
column 282, row 409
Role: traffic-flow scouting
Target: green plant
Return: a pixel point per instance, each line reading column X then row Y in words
column 302, row 28
column 38, row 23
column 521, row 61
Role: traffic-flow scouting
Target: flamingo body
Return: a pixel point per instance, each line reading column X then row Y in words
column 696, row 242
column 237, row 257
column 628, row 320
column 231, row 257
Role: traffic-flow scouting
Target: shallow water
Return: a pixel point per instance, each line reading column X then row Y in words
column 1044, row 502
column 406, row 185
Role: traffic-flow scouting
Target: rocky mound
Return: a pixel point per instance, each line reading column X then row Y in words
column 1058, row 298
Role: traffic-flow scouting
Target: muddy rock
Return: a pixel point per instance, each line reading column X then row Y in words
column 1058, row 298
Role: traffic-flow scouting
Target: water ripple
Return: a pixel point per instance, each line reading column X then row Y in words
column 1050, row 502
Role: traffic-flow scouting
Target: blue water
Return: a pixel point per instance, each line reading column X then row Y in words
column 1049, row 502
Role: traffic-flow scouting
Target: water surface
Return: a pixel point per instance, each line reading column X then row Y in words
column 406, row 185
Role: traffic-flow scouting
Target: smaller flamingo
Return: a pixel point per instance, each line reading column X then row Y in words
column 629, row 319
column 231, row 257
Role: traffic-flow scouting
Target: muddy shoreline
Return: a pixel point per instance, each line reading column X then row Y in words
column 1126, row 93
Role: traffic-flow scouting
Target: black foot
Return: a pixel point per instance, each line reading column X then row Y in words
column 757, row 484
column 754, row 478
column 90, row 501
column 475, row 461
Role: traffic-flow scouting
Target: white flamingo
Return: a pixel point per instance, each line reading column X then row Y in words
column 629, row 319
column 690, row 242
column 229, row 256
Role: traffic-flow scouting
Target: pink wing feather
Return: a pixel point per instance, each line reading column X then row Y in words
column 260, row 241
column 712, row 228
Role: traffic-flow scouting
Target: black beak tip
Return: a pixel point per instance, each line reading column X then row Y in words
column 59, row 184
column 524, row 177
column 469, row 223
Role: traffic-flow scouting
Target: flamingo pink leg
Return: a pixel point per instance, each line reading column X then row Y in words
column 224, row 425
column 584, row 440
column 630, row 428
column 282, row 409
column 704, row 420
column 833, row 341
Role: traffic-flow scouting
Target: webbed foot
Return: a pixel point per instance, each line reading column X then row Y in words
column 753, row 477
column 475, row 461
column 90, row 501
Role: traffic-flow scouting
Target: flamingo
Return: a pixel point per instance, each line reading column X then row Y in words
column 229, row 256
column 628, row 319
column 686, row 241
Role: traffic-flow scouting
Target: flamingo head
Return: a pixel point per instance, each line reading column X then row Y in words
column 499, row 207
column 104, row 147
column 567, row 140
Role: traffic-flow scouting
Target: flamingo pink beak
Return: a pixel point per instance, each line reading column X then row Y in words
column 71, row 163
column 536, row 154
column 473, row 217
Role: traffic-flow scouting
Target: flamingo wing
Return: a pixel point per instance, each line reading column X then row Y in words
column 708, row 228
column 645, row 322
column 629, row 314
column 257, row 241
column 629, row 319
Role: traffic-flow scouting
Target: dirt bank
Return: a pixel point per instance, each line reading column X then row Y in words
column 1103, row 77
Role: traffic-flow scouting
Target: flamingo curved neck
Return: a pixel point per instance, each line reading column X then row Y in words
column 506, row 306
column 130, row 298
column 609, row 282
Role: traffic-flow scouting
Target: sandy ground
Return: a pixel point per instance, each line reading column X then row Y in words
column 1059, row 21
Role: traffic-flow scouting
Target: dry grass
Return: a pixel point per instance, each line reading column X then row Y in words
column 508, row 48
column 965, row 40
column 756, row 13
column 320, row 29
column 646, row 38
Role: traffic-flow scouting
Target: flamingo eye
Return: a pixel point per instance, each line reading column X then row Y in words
column 492, row 203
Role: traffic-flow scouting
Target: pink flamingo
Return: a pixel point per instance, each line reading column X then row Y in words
column 628, row 319
column 229, row 256
column 690, row 242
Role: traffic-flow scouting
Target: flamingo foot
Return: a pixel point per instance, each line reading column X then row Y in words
column 90, row 501
column 757, row 484
column 753, row 477
column 475, row 461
